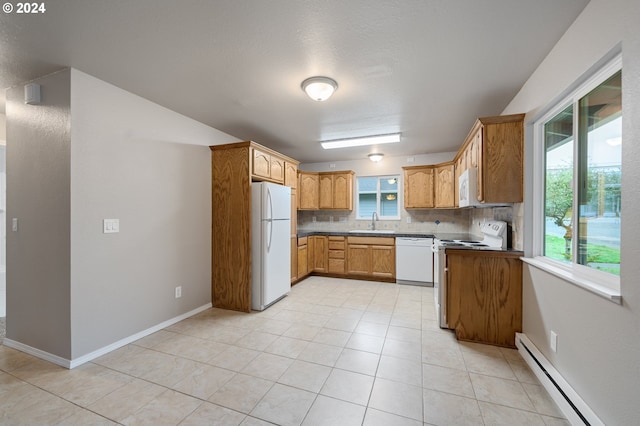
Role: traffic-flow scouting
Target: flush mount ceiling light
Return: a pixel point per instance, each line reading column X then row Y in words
column 319, row 88
column 376, row 157
column 365, row 140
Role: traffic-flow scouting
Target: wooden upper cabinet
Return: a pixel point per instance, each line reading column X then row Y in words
column 308, row 191
column 277, row 169
column 332, row 190
column 271, row 166
column 444, row 185
column 418, row 187
column 290, row 174
column 326, row 192
column 495, row 145
column 343, row 191
column 261, row 164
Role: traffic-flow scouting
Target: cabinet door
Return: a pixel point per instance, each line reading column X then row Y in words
column 261, row 164
column 484, row 298
column 444, row 186
column 383, row 261
column 476, row 157
column 326, row 192
column 302, row 261
column 418, row 188
column 343, row 191
column 290, row 175
column 358, row 259
column 309, row 187
column 277, row 169
column 294, row 258
column 320, row 253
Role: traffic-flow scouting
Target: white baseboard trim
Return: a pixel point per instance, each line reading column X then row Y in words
column 70, row 364
column 55, row 359
column 570, row 403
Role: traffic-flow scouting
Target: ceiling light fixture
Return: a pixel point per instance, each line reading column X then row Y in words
column 365, row 140
column 375, row 157
column 319, row 88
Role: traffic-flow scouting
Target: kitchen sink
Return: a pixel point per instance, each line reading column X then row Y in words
column 372, row 231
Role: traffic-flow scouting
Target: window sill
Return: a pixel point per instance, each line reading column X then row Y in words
column 605, row 292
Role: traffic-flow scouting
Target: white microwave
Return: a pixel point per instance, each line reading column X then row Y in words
column 468, row 188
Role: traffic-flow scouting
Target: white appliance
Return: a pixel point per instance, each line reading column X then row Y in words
column 414, row 261
column 270, row 243
column 468, row 188
column 494, row 238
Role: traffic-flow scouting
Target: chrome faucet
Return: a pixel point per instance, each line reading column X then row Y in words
column 374, row 217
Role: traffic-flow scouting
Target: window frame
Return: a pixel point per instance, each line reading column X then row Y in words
column 378, row 196
column 599, row 282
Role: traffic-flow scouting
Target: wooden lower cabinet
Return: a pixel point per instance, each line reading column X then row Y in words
column 383, row 261
column 337, row 264
column 484, row 295
column 371, row 257
column 320, row 253
column 302, row 260
column 294, row 259
column 358, row 259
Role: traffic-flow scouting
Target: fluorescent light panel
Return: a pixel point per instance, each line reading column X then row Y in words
column 366, row 140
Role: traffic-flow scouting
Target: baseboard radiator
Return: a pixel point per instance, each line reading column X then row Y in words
column 567, row 399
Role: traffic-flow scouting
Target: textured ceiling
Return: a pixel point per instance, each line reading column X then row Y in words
column 426, row 68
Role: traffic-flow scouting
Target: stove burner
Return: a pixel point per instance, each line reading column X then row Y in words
column 446, row 241
column 469, row 242
column 453, row 244
column 480, row 245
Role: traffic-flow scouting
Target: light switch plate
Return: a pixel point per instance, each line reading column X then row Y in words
column 110, row 226
column 553, row 341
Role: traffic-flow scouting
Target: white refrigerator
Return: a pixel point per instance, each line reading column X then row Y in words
column 270, row 243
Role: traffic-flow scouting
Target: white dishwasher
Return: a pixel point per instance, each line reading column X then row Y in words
column 414, row 261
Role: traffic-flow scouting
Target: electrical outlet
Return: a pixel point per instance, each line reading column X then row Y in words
column 178, row 292
column 313, row 219
column 408, row 219
column 553, row 341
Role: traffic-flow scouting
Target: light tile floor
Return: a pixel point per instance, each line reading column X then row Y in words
column 334, row 352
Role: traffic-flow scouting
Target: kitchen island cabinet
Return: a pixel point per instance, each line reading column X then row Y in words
column 484, row 295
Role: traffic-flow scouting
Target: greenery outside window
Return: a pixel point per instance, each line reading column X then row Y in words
column 378, row 194
column 580, row 185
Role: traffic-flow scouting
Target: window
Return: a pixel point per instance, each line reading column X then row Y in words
column 378, row 194
column 579, row 188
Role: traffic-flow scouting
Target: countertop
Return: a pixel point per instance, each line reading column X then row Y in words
column 364, row 234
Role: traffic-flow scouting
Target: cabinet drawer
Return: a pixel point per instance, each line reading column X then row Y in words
column 302, row 241
column 336, row 254
column 336, row 245
column 336, row 266
column 379, row 241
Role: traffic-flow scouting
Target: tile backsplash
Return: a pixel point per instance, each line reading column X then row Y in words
column 427, row 221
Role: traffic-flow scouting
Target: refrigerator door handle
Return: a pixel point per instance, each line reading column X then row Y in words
column 270, row 219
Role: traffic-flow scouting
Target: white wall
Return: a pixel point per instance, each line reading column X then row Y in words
column 92, row 151
column 38, row 168
column 150, row 168
column 599, row 342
